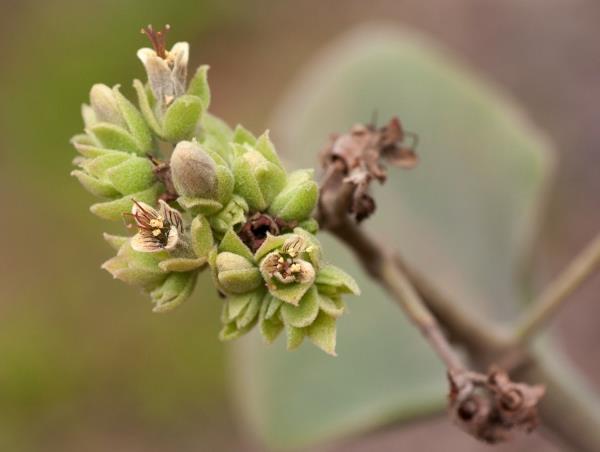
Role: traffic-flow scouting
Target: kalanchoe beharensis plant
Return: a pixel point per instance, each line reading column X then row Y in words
column 221, row 200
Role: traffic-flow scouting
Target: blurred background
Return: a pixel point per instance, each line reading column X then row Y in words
column 84, row 364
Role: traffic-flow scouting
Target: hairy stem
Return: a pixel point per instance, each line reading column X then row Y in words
column 577, row 272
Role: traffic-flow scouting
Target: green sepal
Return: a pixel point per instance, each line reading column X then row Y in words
column 241, row 135
column 290, row 293
column 181, row 118
column 322, row 333
column 333, row 306
column 98, row 166
column 115, row 241
column 236, row 274
column 131, row 176
column 111, row 136
column 135, row 121
column 232, row 243
column 330, row 275
column 146, row 107
column 304, row 313
column 95, row 186
column 265, row 146
column 181, row 264
column 298, row 198
column 270, row 327
column 295, row 337
column 200, row 206
column 174, row 291
column 311, row 225
column 201, row 236
column 273, row 306
column 256, row 179
column 270, row 243
column 233, row 214
column 250, row 313
column 114, row 210
column 199, row 86
column 235, row 305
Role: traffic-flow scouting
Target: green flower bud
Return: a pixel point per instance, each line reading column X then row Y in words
column 116, row 176
column 257, row 179
column 232, row 215
column 201, row 178
column 171, row 110
column 240, row 314
column 136, row 268
column 236, row 274
column 146, row 270
column 194, row 172
column 298, row 198
column 113, row 122
column 173, row 291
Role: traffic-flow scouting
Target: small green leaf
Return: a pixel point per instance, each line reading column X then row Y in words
column 181, row 118
column 264, row 145
column 115, row 241
column 322, row 333
column 131, row 176
column 95, row 186
column 114, row 210
column 135, row 121
column 198, row 86
column 201, row 236
column 236, row 304
column 250, row 314
column 114, row 137
column 181, row 264
column 145, row 107
column 305, row 313
column 333, row 306
column 232, row 243
column 271, row 242
column 241, row 135
column 295, row 337
column 334, row 276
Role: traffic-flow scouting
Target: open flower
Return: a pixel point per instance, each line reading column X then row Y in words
column 167, row 69
column 158, row 230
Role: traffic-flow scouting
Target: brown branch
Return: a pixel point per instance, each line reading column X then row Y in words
column 488, row 407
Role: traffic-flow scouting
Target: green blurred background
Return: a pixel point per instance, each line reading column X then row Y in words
column 84, row 364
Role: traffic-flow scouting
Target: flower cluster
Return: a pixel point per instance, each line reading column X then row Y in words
column 201, row 195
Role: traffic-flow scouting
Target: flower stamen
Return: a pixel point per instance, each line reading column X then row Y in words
column 158, row 39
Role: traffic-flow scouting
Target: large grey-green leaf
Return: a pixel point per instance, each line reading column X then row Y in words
column 464, row 217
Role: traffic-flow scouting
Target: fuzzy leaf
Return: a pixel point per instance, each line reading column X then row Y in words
column 114, row 137
column 233, row 244
column 322, row 333
column 295, row 337
column 201, row 235
column 241, row 135
column 305, row 313
column 131, row 176
column 181, row 118
column 135, row 121
column 181, row 264
column 334, row 276
column 95, row 186
column 198, row 86
column 114, row 210
column 333, row 306
column 145, row 107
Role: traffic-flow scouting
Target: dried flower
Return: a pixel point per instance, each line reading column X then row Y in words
column 157, row 230
column 166, row 69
